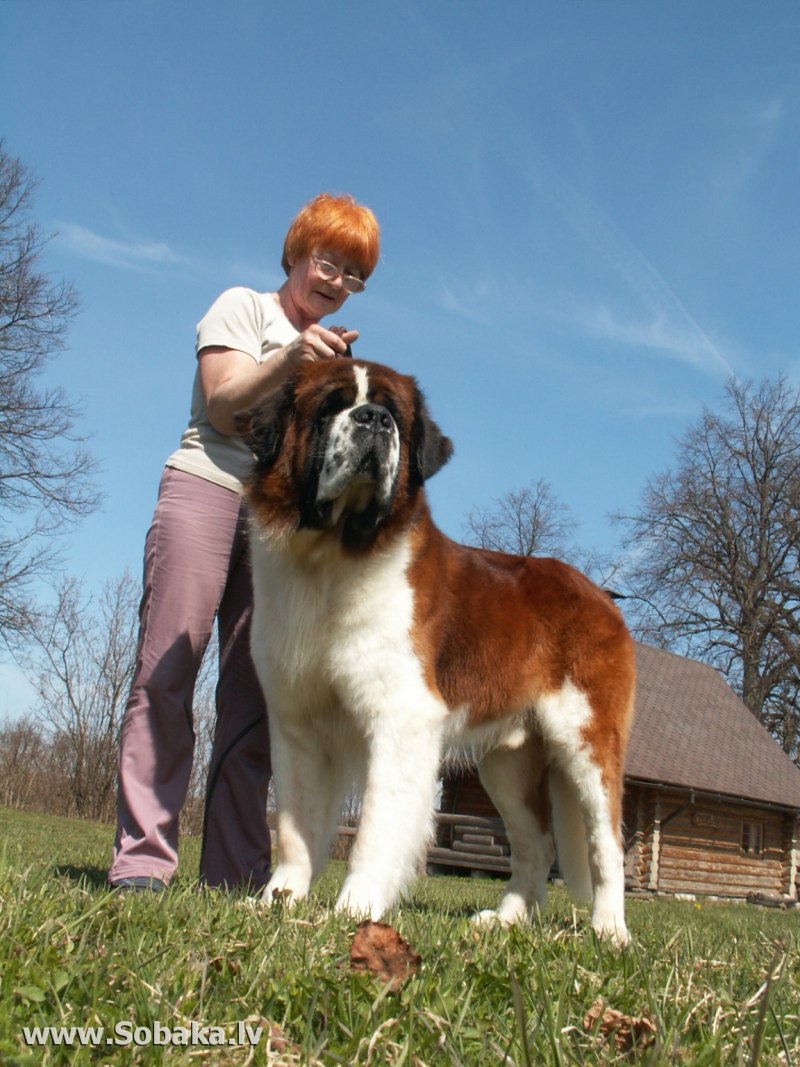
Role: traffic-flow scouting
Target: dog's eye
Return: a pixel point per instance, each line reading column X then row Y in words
column 332, row 404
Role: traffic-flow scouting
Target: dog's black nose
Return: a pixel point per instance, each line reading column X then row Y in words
column 372, row 416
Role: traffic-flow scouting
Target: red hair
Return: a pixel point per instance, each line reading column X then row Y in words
column 336, row 224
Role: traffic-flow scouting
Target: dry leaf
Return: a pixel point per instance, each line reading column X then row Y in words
column 223, row 963
column 379, row 950
column 625, row 1031
column 278, row 1041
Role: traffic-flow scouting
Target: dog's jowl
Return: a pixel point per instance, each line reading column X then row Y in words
column 380, row 643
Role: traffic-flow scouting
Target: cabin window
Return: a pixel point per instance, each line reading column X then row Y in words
column 753, row 838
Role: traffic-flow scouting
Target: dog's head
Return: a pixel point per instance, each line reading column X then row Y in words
column 343, row 446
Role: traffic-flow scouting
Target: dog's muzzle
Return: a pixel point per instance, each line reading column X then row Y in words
column 372, row 438
column 361, row 456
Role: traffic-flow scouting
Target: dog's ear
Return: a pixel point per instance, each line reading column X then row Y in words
column 263, row 427
column 430, row 449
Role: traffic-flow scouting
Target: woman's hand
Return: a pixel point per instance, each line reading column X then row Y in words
column 316, row 343
column 232, row 381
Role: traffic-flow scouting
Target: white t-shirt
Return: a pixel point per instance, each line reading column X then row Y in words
column 250, row 322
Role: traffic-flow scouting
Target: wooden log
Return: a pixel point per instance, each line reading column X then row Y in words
column 715, row 867
column 479, row 850
column 733, row 887
column 771, row 900
column 451, row 858
column 470, row 820
column 475, row 838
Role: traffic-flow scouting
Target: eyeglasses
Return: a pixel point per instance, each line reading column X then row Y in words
column 329, row 272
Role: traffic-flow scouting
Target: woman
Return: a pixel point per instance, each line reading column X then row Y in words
column 197, row 567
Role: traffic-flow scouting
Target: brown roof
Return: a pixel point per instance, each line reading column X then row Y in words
column 692, row 730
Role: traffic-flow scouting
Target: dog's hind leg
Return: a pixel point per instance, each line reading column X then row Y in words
column 516, row 781
column 588, row 774
column 582, row 775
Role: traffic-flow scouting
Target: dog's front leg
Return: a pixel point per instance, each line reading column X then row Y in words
column 396, row 818
column 309, row 784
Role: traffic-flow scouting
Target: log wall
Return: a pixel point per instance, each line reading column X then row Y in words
column 673, row 843
column 705, row 847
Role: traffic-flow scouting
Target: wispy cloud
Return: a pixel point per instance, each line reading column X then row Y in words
column 756, row 129
column 467, row 301
column 150, row 256
column 661, row 322
column 127, row 255
column 665, row 325
column 675, row 335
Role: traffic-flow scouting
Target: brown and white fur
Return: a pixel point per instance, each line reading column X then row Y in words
column 381, row 643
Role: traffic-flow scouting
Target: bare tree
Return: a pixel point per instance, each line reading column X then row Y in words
column 81, row 656
column 23, row 758
column 526, row 522
column 45, row 472
column 714, row 551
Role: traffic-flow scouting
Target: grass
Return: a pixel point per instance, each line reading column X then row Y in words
column 720, row 983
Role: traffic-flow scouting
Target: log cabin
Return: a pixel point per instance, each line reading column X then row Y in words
column 711, row 801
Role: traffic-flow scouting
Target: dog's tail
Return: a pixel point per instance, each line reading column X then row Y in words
column 569, row 831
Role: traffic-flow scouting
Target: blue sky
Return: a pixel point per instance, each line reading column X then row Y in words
column 589, row 217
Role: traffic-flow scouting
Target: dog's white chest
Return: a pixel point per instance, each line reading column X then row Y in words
column 337, row 630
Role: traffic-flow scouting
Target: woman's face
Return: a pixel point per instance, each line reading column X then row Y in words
column 312, row 295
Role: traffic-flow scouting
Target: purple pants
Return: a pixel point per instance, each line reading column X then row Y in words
column 196, row 567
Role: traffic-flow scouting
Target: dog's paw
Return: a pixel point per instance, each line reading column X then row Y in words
column 255, row 904
column 286, row 887
column 611, row 930
column 490, row 917
column 513, row 910
column 360, row 900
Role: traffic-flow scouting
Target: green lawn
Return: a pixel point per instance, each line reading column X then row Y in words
column 720, row 984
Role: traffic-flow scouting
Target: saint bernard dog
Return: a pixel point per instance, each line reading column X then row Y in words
column 381, row 643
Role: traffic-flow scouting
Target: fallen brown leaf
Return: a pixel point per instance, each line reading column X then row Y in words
column 379, row 950
column 626, row 1031
column 223, row 963
column 278, row 1041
